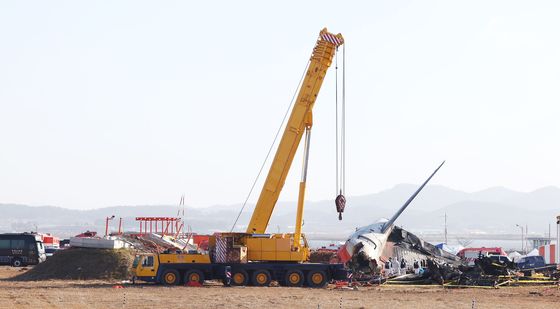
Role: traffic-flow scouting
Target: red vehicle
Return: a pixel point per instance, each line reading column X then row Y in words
column 471, row 254
column 50, row 241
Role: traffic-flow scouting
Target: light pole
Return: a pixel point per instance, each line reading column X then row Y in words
column 445, row 229
column 120, row 226
column 107, row 224
column 522, row 238
column 526, row 237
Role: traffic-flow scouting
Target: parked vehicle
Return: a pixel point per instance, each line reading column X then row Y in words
column 50, row 251
column 529, row 262
column 530, row 265
column 64, row 243
column 469, row 255
column 500, row 259
column 20, row 249
column 193, row 268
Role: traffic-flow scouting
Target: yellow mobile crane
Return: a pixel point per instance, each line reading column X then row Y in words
column 291, row 247
column 254, row 257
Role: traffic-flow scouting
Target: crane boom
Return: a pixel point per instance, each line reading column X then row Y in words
column 300, row 120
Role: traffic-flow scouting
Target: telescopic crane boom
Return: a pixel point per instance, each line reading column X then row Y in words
column 300, row 122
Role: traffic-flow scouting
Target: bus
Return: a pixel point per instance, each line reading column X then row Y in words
column 21, row 249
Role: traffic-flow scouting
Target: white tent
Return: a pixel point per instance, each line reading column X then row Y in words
column 533, row 252
column 451, row 249
column 514, row 256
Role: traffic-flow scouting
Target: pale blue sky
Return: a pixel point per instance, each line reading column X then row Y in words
column 136, row 102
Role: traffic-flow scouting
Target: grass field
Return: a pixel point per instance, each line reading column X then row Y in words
column 102, row 294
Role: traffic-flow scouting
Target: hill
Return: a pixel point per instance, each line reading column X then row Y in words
column 494, row 210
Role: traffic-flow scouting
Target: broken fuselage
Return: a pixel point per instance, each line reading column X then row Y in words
column 371, row 246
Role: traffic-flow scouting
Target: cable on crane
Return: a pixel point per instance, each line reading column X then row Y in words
column 271, row 146
column 340, row 200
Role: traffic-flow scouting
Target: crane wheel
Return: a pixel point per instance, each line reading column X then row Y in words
column 239, row 278
column 170, row 277
column 294, row 277
column 316, row 279
column 261, row 277
column 194, row 275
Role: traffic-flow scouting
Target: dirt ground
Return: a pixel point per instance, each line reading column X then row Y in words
column 103, row 294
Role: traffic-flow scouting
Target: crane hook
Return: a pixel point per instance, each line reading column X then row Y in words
column 340, row 202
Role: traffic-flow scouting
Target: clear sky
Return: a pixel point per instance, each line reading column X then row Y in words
column 135, row 102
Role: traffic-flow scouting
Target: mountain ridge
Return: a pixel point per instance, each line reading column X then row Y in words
column 495, row 209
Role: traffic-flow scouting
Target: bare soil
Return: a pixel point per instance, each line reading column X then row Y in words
column 104, row 294
column 82, row 264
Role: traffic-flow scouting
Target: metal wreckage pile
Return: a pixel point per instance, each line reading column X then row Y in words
column 432, row 265
column 383, row 253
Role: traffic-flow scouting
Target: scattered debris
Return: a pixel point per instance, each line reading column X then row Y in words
column 323, row 256
column 99, row 243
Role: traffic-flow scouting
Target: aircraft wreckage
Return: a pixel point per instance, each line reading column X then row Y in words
column 372, row 247
column 403, row 257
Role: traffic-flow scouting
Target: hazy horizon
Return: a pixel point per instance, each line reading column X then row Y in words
column 187, row 204
column 465, row 213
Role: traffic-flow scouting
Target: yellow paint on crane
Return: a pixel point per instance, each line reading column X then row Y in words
column 320, row 61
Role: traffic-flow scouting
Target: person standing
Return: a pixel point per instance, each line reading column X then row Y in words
column 416, row 267
column 403, row 267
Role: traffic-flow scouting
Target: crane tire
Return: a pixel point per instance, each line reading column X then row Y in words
column 261, row 277
column 194, row 275
column 239, row 278
column 170, row 277
column 294, row 278
column 317, row 279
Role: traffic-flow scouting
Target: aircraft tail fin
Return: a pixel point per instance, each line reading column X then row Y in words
column 410, row 199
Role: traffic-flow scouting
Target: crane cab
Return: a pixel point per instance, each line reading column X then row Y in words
column 145, row 267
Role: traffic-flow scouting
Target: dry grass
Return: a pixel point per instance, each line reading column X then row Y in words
column 101, row 294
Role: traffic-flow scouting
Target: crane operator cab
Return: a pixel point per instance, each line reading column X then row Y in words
column 145, row 267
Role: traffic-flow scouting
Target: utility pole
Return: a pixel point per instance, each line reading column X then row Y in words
column 527, row 238
column 107, row 219
column 522, row 239
column 120, row 226
column 445, row 231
